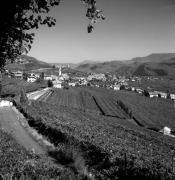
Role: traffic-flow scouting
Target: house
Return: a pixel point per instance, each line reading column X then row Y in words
column 132, row 88
column 47, row 77
column 140, row 91
column 72, row 84
column 117, row 87
column 172, row 96
column 57, row 84
column 96, row 76
column 5, row 103
column 153, row 94
column 31, row 79
column 18, row 74
column 65, row 76
column 163, row 95
column 165, row 130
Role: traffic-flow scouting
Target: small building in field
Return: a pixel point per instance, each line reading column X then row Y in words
column 72, row 84
column 133, row 88
column 4, row 103
column 117, row 87
column 172, row 96
column 57, row 84
column 138, row 90
column 18, row 74
column 31, row 79
column 163, row 95
column 153, row 94
column 166, row 130
column 48, row 77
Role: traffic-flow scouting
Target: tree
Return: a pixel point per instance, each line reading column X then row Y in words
column 19, row 17
column 23, row 97
column 122, row 87
column 146, row 93
column 25, row 76
column 0, row 88
column 49, row 83
column 168, row 94
column 42, row 76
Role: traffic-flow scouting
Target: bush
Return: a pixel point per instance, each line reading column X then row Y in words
column 0, row 88
column 23, row 97
column 50, row 83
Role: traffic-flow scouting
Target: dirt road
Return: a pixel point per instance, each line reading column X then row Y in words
column 10, row 122
column 35, row 95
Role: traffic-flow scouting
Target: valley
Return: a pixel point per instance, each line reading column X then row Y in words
column 93, row 125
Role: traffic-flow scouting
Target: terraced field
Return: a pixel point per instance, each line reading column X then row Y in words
column 83, row 100
column 111, row 144
column 73, row 98
column 104, row 140
column 150, row 113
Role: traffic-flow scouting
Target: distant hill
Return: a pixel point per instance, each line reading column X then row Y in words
column 152, row 65
column 28, row 63
column 159, row 57
column 88, row 62
column 108, row 66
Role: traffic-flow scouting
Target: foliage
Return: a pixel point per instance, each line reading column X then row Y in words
column 50, row 83
column 19, row 17
column 168, row 95
column 92, row 13
column 17, row 163
column 12, row 87
column 25, row 76
column 148, row 112
column 75, row 98
column 146, row 93
column 112, row 148
column 23, row 97
column 0, row 87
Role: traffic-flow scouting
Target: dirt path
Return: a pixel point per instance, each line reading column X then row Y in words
column 9, row 121
column 13, row 122
column 35, row 95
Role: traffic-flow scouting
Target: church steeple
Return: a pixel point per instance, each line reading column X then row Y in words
column 60, row 73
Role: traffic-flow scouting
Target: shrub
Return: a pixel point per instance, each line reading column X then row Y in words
column 50, row 83
column 23, row 97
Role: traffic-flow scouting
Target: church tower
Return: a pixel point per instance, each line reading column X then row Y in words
column 60, row 73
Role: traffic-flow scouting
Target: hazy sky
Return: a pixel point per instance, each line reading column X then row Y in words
column 132, row 28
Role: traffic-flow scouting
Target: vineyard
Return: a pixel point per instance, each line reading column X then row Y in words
column 73, row 98
column 83, row 100
column 150, row 113
column 17, row 163
column 147, row 154
column 12, row 87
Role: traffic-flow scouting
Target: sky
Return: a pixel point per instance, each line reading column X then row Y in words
column 132, row 28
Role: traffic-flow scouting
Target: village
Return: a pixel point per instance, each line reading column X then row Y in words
column 64, row 78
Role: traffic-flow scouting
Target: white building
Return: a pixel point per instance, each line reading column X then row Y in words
column 48, row 78
column 172, row 96
column 72, row 84
column 97, row 76
column 57, row 84
column 165, row 130
column 163, row 95
column 31, row 79
column 132, row 88
column 18, row 74
column 153, row 94
column 117, row 87
column 140, row 91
